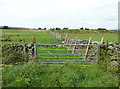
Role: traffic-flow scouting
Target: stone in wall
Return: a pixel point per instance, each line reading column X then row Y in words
column 14, row 53
column 114, row 50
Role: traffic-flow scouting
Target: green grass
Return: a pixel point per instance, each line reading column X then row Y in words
column 46, row 37
column 111, row 36
column 42, row 37
column 96, row 37
column 70, row 75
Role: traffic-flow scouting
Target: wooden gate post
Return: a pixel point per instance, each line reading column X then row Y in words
column 34, row 39
column 103, row 56
column 101, row 50
column 102, row 40
column 35, row 48
column 66, row 38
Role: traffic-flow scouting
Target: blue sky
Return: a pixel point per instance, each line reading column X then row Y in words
column 59, row 13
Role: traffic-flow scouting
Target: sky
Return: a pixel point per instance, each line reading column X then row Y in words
column 59, row 13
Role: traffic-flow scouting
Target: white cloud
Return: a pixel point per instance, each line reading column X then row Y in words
column 59, row 13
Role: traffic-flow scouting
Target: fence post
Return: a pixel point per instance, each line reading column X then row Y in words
column 65, row 39
column 35, row 48
column 86, row 52
column 101, row 50
column 74, row 47
column 102, row 40
column 103, row 56
column 101, row 53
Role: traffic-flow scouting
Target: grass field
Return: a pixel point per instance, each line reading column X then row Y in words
column 46, row 37
column 96, row 37
column 32, row 74
column 111, row 36
column 41, row 36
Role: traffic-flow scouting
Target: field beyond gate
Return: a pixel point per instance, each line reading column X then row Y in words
column 54, row 54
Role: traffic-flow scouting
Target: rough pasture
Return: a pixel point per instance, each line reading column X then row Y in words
column 111, row 36
column 17, row 35
column 70, row 75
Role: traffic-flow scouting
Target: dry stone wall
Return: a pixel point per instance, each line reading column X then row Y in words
column 114, row 51
column 113, row 48
column 14, row 53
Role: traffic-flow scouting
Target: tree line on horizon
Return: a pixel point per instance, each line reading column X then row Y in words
column 57, row 28
column 66, row 28
column 8, row 27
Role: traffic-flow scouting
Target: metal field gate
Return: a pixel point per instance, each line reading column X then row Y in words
column 58, row 54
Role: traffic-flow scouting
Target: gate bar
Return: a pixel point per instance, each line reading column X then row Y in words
column 69, row 44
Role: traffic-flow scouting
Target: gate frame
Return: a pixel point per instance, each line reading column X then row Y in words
column 96, row 55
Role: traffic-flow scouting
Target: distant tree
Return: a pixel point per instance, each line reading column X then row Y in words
column 65, row 28
column 86, row 28
column 40, row 28
column 44, row 28
column 58, row 28
column 82, row 28
column 5, row 27
column 102, row 29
